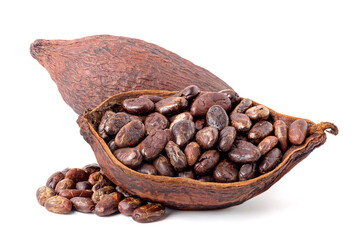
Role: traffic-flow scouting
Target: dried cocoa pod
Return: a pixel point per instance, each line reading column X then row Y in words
column 89, row 70
column 179, row 192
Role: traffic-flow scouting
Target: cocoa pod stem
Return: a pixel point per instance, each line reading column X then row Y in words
column 324, row 126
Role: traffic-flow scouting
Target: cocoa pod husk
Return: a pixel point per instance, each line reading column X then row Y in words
column 189, row 194
column 89, row 70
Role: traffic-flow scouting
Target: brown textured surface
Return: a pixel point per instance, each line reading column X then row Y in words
column 185, row 193
column 89, row 70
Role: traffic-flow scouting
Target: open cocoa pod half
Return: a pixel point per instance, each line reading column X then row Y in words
column 189, row 194
column 89, row 70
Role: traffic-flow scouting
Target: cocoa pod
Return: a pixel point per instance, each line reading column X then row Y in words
column 89, row 70
column 203, row 193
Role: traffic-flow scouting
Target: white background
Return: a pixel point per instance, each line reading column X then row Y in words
column 301, row 58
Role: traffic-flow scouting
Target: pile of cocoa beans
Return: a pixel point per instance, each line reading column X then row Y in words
column 208, row 136
column 87, row 190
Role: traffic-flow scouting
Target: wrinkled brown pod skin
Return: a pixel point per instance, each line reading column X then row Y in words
column 183, row 193
column 103, row 65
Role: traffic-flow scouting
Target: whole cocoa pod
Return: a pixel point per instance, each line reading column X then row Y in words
column 98, row 67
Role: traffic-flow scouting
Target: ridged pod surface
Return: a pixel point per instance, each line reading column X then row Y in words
column 89, row 70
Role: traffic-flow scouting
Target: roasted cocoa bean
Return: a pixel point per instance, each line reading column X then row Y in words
column 226, row 171
column 179, row 117
column 232, row 95
column 163, row 166
column 83, row 204
column 183, row 132
column 244, row 105
column 115, row 122
column 297, row 131
column 112, row 146
column 77, row 175
column 258, row 112
column 149, row 213
column 54, row 179
column 83, row 185
column 203, row 102
column 267, row 144
column 247, row 171
column 65, row 170
column 192, row 152
column 270, row 161
column 155, row 122
column 130, row 134
column 189, row 92
column 207, row 162
column 70, row 193
column 245, row 152
column 58, row 204
column 187, row 174
column 171, row 105
column 153, row 98
column 199, row 124
column 91, row 168
column 43, row 193
column 226, row 138
column 176, row 156
column 131, row 157
column 281, row 132
column 260, row 130
column 102, row 192
column 95, row 177
column 123, row 191
column 138, row 105
column 108, row 205
column 240, row 121
column 206, row 178
column 129, row 204
column 153, row 145
column 169, row 135
column 217, row 117
column 102, row 183
column 147, row 168
column 207, row 137
column 64, row 184
column 101, row 129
